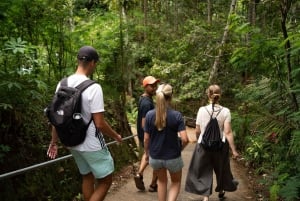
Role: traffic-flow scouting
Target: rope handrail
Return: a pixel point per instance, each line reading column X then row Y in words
column 47, row 163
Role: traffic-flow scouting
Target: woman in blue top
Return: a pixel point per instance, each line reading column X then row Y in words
column 164, row 138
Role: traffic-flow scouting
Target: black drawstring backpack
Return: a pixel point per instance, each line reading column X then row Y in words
column 211, row 139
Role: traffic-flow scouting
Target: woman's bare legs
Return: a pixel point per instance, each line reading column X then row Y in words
column 175, row 185
column 162, row 183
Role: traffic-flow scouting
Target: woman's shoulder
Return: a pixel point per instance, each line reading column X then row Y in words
column 224, row 108
column 174, row 112
column 151, row 112
column 217, row 108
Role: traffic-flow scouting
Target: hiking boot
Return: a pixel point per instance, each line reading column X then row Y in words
column 138, row 179
column 153, row 188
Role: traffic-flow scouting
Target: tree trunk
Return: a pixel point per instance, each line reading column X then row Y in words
column 125, row 70
column 209, row 12
column 285, row 6
column 252, row 12
column 145, row 10
column 176, row 10
column 214, row 69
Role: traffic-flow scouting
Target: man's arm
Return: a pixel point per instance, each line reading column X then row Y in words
column 53, row 149
column 104, row 127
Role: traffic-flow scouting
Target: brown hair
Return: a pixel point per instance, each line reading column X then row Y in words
column 214, row 93
column 163, row 96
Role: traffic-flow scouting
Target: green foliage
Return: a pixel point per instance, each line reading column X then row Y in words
column 40, row 49
column 104, row 28
column 241, row 126
column 258, row 57
column 256, row 151
column 282, row 184
column 15, row 45
column 273, row 132
column 270, row 137
column 295, row 141
column 274, row 192
column 4, row 149
column 290, row 190
column 62, row 177
column 259, row 152
column 171, row 40
column 132, row 110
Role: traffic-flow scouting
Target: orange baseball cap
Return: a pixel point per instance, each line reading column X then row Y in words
column 149, row 80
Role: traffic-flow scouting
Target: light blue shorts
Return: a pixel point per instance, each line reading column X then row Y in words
column 173, row 165
column 100, row 163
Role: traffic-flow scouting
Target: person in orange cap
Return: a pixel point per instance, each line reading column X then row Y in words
column 145, row 104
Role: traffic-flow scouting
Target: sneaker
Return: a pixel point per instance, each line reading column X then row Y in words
column 221, row 195
column 138, row 179
column 235, row 182
column 153, row 188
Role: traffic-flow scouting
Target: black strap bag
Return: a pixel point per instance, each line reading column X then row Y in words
column 64, row 113
column 211, row 139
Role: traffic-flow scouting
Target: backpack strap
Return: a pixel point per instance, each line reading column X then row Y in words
column 223, row 136
column 81, row 87
column 219, row 112
column 85, row 84
column 211, row 115
column 64, row 82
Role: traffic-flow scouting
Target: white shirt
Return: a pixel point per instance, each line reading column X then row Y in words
column 203, row 118
column 92, row 102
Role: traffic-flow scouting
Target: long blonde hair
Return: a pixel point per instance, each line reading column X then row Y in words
column 163, row 97
column 214, row 93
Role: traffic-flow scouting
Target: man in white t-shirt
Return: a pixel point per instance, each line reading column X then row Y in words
column 92, row 157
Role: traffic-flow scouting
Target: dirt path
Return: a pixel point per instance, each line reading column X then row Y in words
column 124, row 189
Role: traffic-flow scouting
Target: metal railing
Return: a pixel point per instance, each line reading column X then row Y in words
column 47, row 163
column 190, row 121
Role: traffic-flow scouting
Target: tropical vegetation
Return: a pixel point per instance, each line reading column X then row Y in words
column 249, row 47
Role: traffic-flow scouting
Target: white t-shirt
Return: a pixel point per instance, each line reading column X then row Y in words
column 203, row 118
column 92, row 102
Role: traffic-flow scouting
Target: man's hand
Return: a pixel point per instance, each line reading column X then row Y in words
column 119, row 138
column 52, row 150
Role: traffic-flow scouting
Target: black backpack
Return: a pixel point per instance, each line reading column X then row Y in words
column 64, row 113
column 211, row 139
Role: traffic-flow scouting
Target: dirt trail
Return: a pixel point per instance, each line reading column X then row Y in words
column 124, row 189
